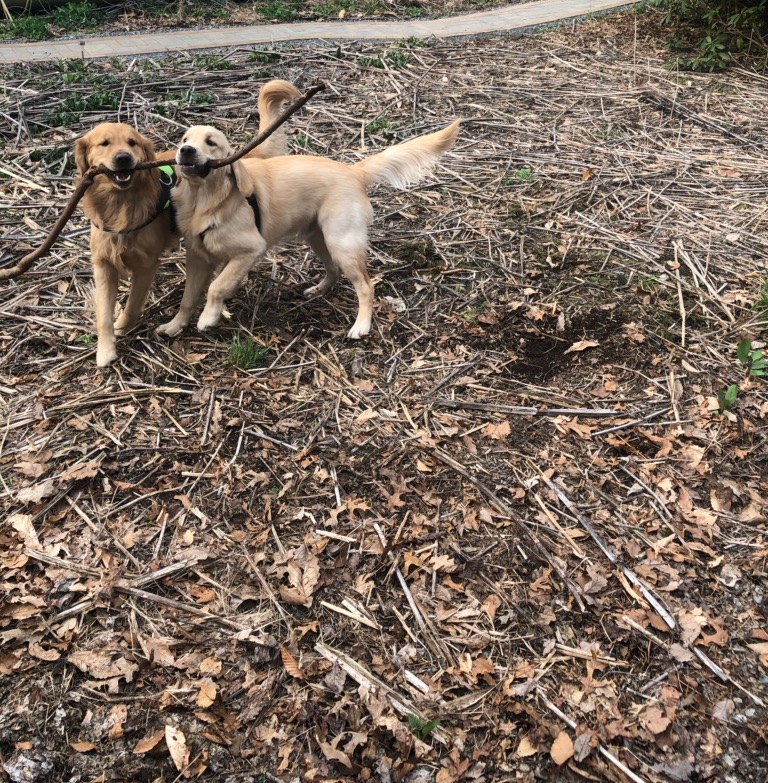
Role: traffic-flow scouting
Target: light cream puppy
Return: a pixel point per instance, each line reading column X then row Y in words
column 231, row 216
column 131, row 220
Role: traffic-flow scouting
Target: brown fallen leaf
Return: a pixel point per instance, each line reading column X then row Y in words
column 291, row 664
column 526, row 748
column 582, row 747
column 761, row 648
column 654, row 720
column 177, row 747
column 147, row 743
column 43, row 654
column 334, row 754
column 496, row 431
column 562, row 748
column 207, row 693
column 82, row 747
column 36, row 492
column 581, row 345
column 210, row 666
column 101, row 665
column 117, row 716
column 680, row 653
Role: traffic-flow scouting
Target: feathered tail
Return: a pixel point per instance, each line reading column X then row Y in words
column 405, row 164
column 272, row 97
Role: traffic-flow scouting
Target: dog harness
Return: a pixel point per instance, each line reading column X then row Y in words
column 253, row 203
column 167, row 182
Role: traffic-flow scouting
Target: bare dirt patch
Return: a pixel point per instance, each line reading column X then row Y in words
column 511, row 507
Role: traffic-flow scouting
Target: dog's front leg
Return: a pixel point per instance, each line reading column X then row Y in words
column 228, row 281
column 199, row 270
column 105, row 277
column 141, row 282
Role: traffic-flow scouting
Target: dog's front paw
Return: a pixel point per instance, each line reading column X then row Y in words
column 208, row 319
column 172, row 328
column 359, row 330
column 105, row 355
column 123, row 325
column 313, row 291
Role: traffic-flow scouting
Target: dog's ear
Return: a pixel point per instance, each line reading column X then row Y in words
column 147, row 148
column 242, row 178
column 81, row 154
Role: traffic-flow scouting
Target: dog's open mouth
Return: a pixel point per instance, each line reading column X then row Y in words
column 122, row 179
column 194, row 170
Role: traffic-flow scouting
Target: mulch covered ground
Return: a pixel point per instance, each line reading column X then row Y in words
column 506, row 537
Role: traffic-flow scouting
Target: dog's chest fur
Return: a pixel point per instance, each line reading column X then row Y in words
column 215, row 216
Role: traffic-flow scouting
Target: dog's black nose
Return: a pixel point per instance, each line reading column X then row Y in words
column 187, row 151
column 124, row 160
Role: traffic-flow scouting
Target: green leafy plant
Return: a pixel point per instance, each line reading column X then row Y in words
column 86, row 339
column 384, row 126
column 421, row 728
column 712, row 31
column 726, row 398
column 212, row 62
column 395, row 57
column 246, row 355
column 82, row 16
column 33, row 28
column 262, row 56
column 753, row 360
column 281, row 10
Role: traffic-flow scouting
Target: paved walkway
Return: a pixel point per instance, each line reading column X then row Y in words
column 513, row 17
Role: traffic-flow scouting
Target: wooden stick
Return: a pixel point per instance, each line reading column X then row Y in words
column 87, row 180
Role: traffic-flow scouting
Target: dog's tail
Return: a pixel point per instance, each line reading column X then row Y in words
column 272, row 97
column 405, row 164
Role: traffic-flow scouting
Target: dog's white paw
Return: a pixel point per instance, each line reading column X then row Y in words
column 313, row 291
column 208, row 320
column 172, row 328
column 123, row 326
column 359, row 330
column 105, row 355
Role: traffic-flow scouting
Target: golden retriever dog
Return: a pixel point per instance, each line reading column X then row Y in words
column 231, row 216
column 132, row 221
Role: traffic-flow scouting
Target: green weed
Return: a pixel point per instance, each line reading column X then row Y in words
column 75, row 104
column 421, row 728
column 279, row 9
column 246, row 355
column 212, row 62
column 395, row 58
column 383, row 126
column 262, row 56
column 753, row 360
column 83, row 16
column 726, row 398
column 33, row 28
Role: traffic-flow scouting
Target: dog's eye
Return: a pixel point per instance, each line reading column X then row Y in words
column 210, row 142
column 105, row 143
column 132, row 142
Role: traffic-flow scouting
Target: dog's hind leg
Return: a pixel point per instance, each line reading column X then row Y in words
column 317, row 243
column 350, row 260
column 105, row 277
column 199, row 272
column 141, row 282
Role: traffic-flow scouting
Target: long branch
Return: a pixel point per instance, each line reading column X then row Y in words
column 87, row 180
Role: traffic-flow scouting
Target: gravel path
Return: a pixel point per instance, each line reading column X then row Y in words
column 513, row 17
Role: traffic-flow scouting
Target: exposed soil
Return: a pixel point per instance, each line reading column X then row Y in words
column 513, row 506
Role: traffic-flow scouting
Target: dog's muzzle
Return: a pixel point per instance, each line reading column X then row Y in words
column 122, row 170
column 188, row 160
